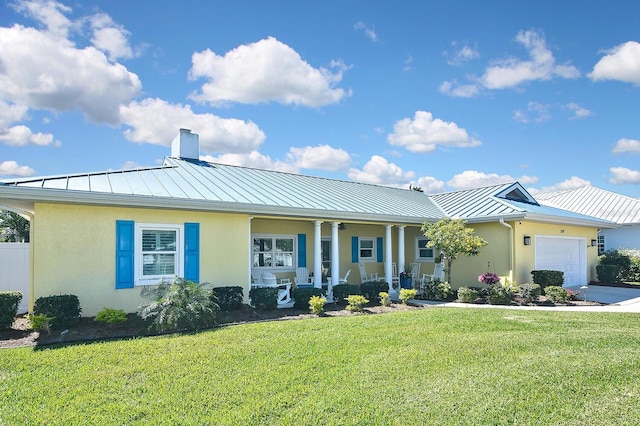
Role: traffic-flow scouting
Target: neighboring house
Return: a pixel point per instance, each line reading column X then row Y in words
column 602, row 204
column 102, row 236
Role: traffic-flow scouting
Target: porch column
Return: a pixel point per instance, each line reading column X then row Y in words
column 335, row 260
column 388, row 255
column 250, row 258
column 317, row 254
column 401, row 256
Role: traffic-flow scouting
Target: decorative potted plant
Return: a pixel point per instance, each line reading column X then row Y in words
column 405, row 279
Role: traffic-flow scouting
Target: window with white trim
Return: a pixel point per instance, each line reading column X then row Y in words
column 158, row 252
column 274, row 251
column 423, row 253
column 367, row 249
column 601, row 248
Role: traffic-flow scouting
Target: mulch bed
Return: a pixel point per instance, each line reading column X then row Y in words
column 89, row 330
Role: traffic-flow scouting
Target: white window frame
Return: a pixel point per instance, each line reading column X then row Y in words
column 417, row 249
column 601, row 244
column 274, row 237
column 373, row 248
column 138, row 257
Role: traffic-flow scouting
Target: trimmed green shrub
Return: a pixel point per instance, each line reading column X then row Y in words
column 341, row 291
column 178, row 304
column 9, row 302
column 530, row 292
column 265, row 298
column 64, row 310
column 438, row 290
column 619, row 258
column 467, row 295
column 499, row 295
column 608, row 273
column 229, row 298
column 355, row 302
column 385, row 300
column 40, row 322
column 545, row 278
column 556, row 294
column 316, row 304
column 111, row 316
column 301, row 296
column 407, row 294
column 371, row 290
column 634, row 269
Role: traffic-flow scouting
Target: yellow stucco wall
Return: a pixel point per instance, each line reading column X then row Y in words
column 75, row 251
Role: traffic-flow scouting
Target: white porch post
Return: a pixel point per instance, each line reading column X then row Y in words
column 335, row 260
column 250, row 258
column 401, row 248
column 317, row 254
column 388, row 255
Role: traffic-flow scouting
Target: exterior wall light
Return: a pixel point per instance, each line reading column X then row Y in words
column 594, row 242
column 527, row 240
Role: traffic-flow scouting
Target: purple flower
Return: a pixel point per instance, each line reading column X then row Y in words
column 489, row 278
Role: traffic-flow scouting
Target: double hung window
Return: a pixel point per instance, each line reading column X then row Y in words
column 158, row 252
column 270, row 251
column 423, row 253
column 367, row 249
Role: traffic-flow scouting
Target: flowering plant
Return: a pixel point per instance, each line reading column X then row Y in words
column 489, row 278
column 405, row 274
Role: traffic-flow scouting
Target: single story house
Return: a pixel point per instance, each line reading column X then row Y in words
column 102, row 236
column 602, row 204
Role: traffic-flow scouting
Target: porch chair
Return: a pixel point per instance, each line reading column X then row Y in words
column 284, row 288
column 438, row 273
column 395, row 278
column 343, row 280
column 302, row 278
column 256, row 276
column 415, row 275
column 367, row 278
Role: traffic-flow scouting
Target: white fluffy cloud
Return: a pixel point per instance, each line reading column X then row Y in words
column 265, row 71
column 323, row 157
column 461, row 54
column 572, row 183
column 621, row 63
column 622, row 175
column 380, row 172
column 11, row 168
column 252, row 159
column 430, row 185
column 474, row 179
column 110, row 37
column 22, row 135
column 578, row 111
column 424, row 133
column 512, row 72
column 536, row 113
column 156, row 121
column 627, row 145
column 41, row 69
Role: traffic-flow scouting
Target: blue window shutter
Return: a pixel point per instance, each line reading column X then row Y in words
column 302, row 250
column 379, row 249
column 354, row 250
column 192, row 252
column 124, row 253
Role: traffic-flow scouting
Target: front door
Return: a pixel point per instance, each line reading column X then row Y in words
column 326, row 258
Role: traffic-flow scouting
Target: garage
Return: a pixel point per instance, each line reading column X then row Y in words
column 565, row 254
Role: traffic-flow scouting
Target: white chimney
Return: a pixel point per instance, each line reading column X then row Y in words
column 186, row 145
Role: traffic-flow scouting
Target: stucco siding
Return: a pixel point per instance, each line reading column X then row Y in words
column 75, row 251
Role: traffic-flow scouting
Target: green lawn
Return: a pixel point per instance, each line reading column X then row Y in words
column 428, row 366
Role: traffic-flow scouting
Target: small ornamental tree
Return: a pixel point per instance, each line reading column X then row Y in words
column 453, row 239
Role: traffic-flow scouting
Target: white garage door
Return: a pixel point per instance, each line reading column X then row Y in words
column 565, row 254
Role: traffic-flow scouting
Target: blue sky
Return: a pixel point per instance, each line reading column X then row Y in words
column 441, row 95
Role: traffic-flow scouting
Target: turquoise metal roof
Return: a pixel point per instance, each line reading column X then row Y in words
column 210, row 186
column 596, row 202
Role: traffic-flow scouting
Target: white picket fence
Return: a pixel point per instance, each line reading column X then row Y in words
column 14, row 271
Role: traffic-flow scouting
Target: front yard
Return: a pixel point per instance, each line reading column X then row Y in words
column 421, row 366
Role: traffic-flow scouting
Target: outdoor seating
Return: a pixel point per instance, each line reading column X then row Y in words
column 438, row 274
column 415, row 275
column 302, row 278
column 284, row 287
column 367, row 278
column 395, row 278
column 343, row 280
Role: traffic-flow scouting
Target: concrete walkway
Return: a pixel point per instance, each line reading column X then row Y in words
column 617, row 299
